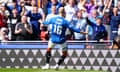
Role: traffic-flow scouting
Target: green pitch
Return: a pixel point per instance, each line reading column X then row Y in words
column 40, row 70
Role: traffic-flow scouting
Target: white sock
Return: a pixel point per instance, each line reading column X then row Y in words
column 47, row 64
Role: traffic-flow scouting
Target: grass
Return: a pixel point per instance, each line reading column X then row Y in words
column 40, row 70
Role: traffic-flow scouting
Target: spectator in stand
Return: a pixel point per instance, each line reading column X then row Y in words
column 3, row 34
column 5, row 1
column 100, row 32
column 4, row 10
column 24, row 10
column 100, row 6
column 23, row 30
column 35, row 20
column 64, row 2
column 89, row 36
column 13, row 5
column 93, row 16
column 70, row 10
column 106, row 22
column 115, row 21
column 13, row 19
column 2, row 20
column 79, row 23
column 91, row 5
column 89, row 30
column 105, row 11
column 52, row 14
column 118, row 6
column 44, row 34
column 28, row 2
column 43, row 4
column 51, row 3
column 40, row 10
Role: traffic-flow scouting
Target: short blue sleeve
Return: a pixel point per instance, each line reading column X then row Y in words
column 47, row 22
column 72, row 27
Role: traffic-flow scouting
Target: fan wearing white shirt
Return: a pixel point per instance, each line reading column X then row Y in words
column 81, row 24
column 70, row 10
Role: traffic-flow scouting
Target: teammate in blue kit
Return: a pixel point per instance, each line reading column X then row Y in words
column 57, row 36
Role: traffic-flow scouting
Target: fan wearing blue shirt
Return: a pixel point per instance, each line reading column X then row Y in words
column 14, row 5
column 57, row 37
column 100, row 32
column 55, row 3
column 35, row 18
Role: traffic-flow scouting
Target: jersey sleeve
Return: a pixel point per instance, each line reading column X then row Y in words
column 47, row 22
column 72, row 27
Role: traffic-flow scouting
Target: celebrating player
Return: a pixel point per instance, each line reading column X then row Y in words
column 57, row 37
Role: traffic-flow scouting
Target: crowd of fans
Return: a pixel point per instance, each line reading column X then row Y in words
column 22, row 19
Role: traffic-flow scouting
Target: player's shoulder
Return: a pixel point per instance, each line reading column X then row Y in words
column 54, row 18
column 65, row 20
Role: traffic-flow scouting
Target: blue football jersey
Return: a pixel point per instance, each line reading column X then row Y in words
column 58, row 28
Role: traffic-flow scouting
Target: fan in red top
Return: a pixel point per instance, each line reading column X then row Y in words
column 3, row 21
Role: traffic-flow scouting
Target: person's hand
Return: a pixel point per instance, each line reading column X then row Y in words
column 40, row 21
column 84, row 32
column 25, row 25
column 101, row 40
column 20, row 30
column 115, row 11
column 41, row 25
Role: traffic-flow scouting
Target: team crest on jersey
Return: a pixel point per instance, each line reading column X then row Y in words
column 59, row 21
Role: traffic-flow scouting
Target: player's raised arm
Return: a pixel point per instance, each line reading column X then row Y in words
column 73, row 28
column 68, row 24
column 46, row 22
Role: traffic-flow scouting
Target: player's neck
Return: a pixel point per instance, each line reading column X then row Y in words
column 61, row 15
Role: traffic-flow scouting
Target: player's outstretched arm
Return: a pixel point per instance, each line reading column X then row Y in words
column 84, row 32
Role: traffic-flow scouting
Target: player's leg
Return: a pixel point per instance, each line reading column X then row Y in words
column 48, row 54
column 63, row 55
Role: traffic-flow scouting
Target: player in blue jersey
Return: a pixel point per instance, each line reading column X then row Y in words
column 57, row 36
